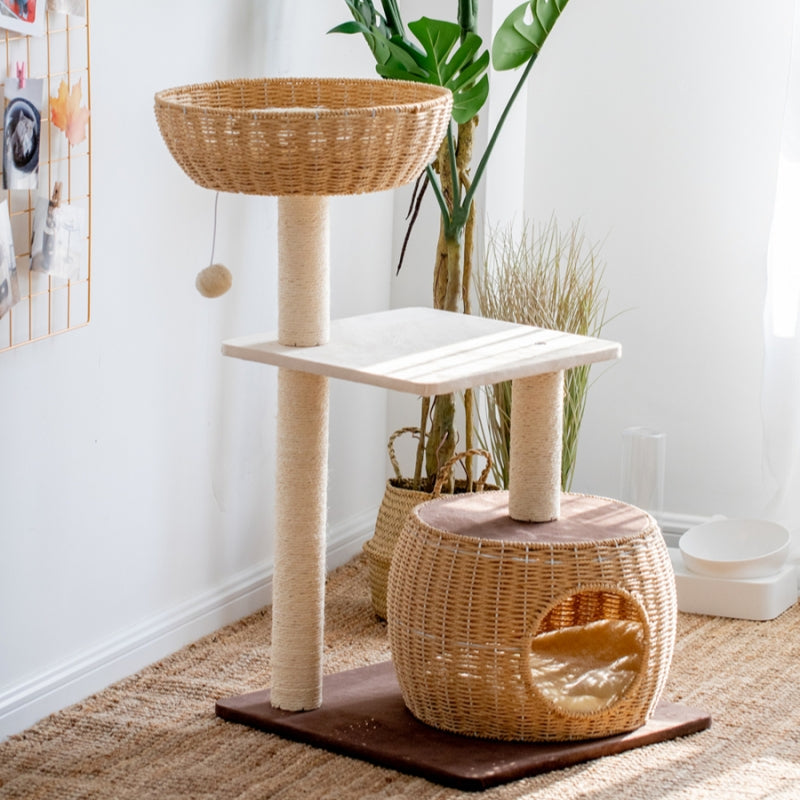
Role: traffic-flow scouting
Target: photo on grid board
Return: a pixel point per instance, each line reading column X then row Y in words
column 24, row 16
column 59, row 230
column 77, row 8
column 23, row 127
column 9, row 285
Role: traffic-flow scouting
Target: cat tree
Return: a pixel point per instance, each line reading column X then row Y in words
column 304, row 140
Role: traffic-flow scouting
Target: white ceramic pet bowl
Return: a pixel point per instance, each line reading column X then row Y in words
column 735, row 548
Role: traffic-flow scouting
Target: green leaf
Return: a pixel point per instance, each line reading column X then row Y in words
column 469, row 101
column 442, row 57
column 448, row 61
column 402, row 63
column 475, row 69
column 368, row 21
column 350, row 27
column 524, row 31
column 391, row 14
column 438, row 38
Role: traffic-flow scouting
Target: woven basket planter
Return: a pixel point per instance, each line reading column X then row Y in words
column 504, row 635
column 303, row 136
column 399, row 499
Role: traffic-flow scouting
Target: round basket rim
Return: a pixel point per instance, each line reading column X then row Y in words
column 431, row 96
column 473, row 540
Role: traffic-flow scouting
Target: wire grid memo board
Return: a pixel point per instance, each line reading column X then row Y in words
column 50, row 305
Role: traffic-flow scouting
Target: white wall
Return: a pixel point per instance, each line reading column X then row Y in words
column 137, row 470
column 658, row 125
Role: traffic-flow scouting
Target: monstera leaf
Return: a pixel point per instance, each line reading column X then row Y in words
column 440, row 57
column 444, row 60
column 524, row 31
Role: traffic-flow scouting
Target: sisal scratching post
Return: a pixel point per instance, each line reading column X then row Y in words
column 303, row 272
column 302, row 458
column 299, row 580
column 534, row 488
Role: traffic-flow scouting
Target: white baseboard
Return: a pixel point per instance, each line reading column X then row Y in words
column 25, row 703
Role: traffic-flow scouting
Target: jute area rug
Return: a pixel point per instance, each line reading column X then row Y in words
column 155, row 734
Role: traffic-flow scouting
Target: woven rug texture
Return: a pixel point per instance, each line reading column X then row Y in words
column 155, row 735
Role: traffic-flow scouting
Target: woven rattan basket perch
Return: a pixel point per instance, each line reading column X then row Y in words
column 303, row 136
column 479, row 605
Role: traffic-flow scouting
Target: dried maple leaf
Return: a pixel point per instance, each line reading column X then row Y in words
column 66, row 112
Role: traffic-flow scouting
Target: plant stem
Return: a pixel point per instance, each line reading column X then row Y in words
column 463, row 162
column 468, row 434
column 453, row 294
column 441, row 273
column 493, row 140
column 452, row 158
column 423, row 427
column 441, row 440
column 437, row 191
column 467, row 16
column 455, row 220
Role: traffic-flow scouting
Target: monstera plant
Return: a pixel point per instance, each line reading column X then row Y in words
column 452, row 54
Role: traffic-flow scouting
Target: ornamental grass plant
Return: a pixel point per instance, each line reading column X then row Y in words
column 551, row 278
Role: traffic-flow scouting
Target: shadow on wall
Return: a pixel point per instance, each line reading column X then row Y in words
column 252, row 36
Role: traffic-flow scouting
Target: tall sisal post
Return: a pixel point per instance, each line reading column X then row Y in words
column 534, row 485
column 302, row 458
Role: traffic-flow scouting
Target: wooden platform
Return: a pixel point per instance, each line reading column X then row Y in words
column 363, row 716
column 426, row 351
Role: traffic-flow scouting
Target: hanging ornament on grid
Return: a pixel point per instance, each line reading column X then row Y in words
column 215, row 279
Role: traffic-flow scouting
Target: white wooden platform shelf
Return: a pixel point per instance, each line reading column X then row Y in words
column 426, row 352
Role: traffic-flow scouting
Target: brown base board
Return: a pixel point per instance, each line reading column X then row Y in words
column 363, row 716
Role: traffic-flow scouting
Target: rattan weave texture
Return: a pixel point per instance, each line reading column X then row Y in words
column 303, row 136
column 399, row 498
column 463, row 613
column 398, row 501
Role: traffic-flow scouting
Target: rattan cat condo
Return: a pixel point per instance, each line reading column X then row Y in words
column 550, row 631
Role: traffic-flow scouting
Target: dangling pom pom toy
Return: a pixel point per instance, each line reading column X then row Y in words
column 215, row 279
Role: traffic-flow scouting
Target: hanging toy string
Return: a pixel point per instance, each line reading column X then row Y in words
column 215, row 279
column 214, row 234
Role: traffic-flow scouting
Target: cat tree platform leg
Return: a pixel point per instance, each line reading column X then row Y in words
column 534, row 489
column 302, row 458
